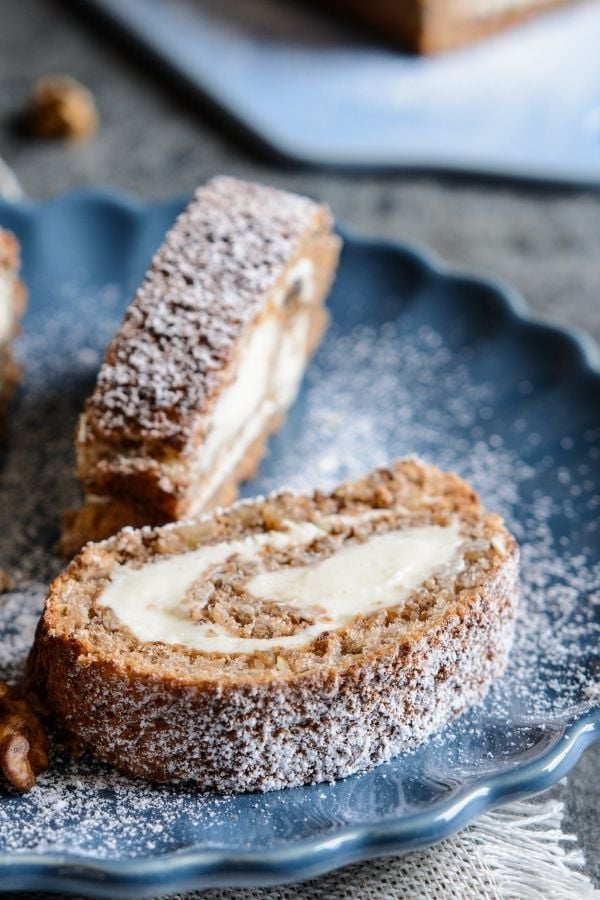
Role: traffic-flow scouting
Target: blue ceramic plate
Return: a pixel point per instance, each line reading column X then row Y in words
column 525, row 103
column 417, row 359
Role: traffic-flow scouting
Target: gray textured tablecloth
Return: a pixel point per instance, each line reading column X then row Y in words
column 152, row 141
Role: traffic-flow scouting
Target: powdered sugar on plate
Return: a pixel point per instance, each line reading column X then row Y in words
column 374, row 392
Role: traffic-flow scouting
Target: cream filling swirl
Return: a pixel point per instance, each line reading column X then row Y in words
column 360, row 578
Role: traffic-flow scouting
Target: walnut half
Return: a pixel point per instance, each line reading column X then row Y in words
column 61, row 107
column 23, row 740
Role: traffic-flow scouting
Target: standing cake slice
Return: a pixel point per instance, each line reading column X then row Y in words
column 12, row 305
column 208, row 359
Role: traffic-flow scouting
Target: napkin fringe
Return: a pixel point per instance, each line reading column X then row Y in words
column 522, row 847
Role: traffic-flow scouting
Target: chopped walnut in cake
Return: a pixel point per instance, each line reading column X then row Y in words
column 220, row 597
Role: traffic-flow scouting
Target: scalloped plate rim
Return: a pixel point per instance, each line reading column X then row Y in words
column 310, row 857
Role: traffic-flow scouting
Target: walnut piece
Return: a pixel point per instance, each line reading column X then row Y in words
column 62, row 107
column 23, row 740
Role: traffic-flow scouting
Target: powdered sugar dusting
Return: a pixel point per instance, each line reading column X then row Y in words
column 374, row 392
column 420, row 396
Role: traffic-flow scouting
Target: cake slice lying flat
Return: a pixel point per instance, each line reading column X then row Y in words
column 429, row 26
column 12, row 306
column 209, row 357
column 282, row 641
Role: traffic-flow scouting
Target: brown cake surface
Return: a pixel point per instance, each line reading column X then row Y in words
column 269, row 644
column 233, row 301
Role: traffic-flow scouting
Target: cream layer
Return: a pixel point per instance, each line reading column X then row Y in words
column 358, row 579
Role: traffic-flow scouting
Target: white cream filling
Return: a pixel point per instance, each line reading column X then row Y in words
column 285, row 381
column 243, row 397
column 290, row 362
column 229, row 459
column 359, row 579
column 267, row 381
column 7, row 316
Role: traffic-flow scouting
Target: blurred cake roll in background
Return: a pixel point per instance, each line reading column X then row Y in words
column 430, row 26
